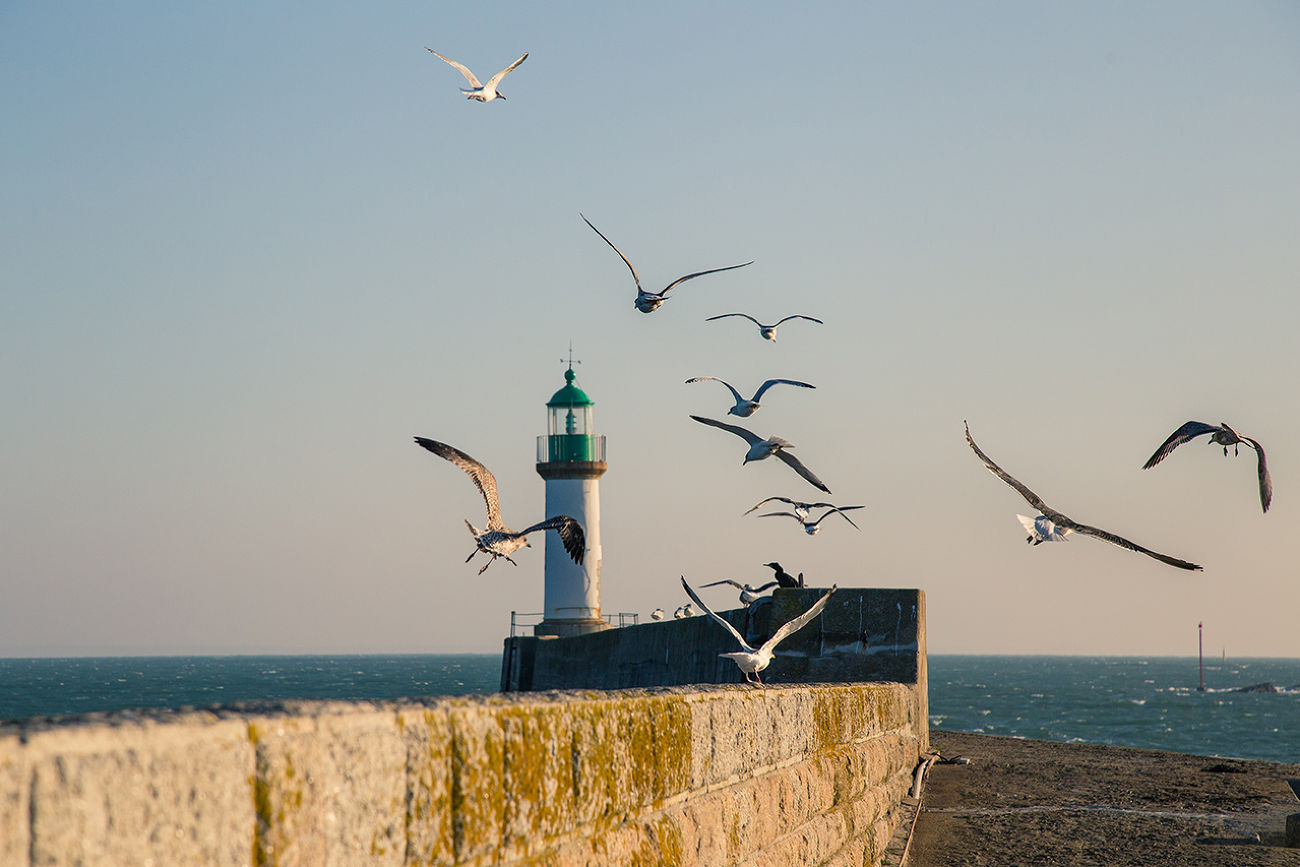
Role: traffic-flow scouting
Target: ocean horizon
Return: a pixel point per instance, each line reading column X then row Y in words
column 1148, row 702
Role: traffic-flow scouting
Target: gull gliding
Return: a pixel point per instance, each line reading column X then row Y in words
column 481, row 92
column 768, row 332
column 760, row 448
column 744, row 407
column 1220, row 435
column 809, row 526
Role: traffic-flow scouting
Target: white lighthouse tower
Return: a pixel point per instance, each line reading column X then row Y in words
column 571, row 458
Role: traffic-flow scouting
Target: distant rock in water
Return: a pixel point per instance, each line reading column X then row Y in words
column 1259, row 687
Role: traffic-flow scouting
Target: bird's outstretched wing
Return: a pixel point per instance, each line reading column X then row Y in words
column 731, row 387
column 840, row 510
column 745, row 315
column 469, row 76
column 798, row 623
column 762, row 389
column 781, row 515
column 748, row 436
column 496, row 79
column 702, row 273
column 733, row 582
column 739, row 638
column 482, row 476
column 1265, row 481
column 571, row 534
column 799, row 316
column 618, row 251
column 1125, row 543
column 1030, row 497
column 1187, row 432
column 797, row 465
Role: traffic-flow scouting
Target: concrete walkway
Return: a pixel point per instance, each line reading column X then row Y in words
column 1022, row 802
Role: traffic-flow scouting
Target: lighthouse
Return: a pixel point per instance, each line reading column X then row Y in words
column 571, row 458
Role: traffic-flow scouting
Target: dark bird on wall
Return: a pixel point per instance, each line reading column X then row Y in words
column 752, row 660
column 1052, row 526
column 1220, row 435
column 767, row 332
column 649, row 302
column 784, row 578
column 745, row 407
column 498, row 540
column 760, row 449
column 481, row 92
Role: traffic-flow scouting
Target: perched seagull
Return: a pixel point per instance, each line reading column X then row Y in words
column 767, row 331
column 1052, row 526
column 1220, row 435
column 803, row 510
column 750, row 660
column 688, row 610
column 657, row 614
column 680, row 612
column 811, row 527
column 745, row 408
column 760, row 448
column 784, row 578
column 498, row 540
column 748, row 595
column 648, row 302
column 481, row 92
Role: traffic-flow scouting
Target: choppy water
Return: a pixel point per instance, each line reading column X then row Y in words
column 1128, row 701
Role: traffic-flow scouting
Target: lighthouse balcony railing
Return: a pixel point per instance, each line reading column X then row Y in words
column 570, row 448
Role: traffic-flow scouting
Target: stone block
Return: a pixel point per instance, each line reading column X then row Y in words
column 15, row 790
column 427, row 734
column 478, row 781
column 539, row 801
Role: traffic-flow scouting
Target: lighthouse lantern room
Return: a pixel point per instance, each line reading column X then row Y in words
column 571, row 458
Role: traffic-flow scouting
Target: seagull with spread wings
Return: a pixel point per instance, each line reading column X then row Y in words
column 810, row 526
column 481, row 92
column 1052, row 526
column 747, row 594
column 1220, row 435
column 745, row 407
column 803, row 510
column 768, row 332
column 649, row 302
column 760, row 449
column 498, row 540
column 752, row 660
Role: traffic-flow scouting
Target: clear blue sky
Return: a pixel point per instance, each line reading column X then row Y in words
column 250, row 251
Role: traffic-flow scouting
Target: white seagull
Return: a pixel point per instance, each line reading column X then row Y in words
column 803, row 510
column 1220, row 435
column 648, row 302
column 1052, row 526
column 680, row 612
column 744, row 408
column 498, row 540
column 657, row 614
column 760, row 448
column 481, row 92
column 809, row 526
column 752, row 660
column 747, row 594
column 768, row 332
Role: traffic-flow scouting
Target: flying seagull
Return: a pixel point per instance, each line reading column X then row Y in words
column 768, row 332
column 784, row 578
column 809, row 526
column 750, row 660
column 481, row 92
column 648, row 302
column 745, row 408
column 747, row 594
column 1220, row 435
column 498, row 540
column 803, row 510
column 760, row 448
column 1052, row 526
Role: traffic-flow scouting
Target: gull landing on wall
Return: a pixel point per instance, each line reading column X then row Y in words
column 481, row 92
column 752, row 660
column 649, row 302
column 498, row 540
column 1052, row 526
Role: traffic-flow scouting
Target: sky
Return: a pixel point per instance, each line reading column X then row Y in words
column 252, row 249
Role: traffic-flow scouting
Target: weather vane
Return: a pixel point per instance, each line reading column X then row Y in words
column 570, row 360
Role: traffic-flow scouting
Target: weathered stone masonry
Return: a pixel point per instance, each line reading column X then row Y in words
column 713, row 775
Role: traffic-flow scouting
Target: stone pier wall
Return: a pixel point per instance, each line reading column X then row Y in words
column 703, row 775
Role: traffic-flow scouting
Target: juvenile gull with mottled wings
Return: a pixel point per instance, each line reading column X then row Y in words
column 760, row 448
column 498, row 540
column 1220, row 435
column 752, row 660
column 1052, row 526
column 648, row 302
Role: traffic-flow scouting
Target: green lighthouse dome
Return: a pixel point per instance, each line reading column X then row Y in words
column 570, row 395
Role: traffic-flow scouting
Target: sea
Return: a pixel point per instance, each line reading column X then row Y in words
column 1150, row 702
